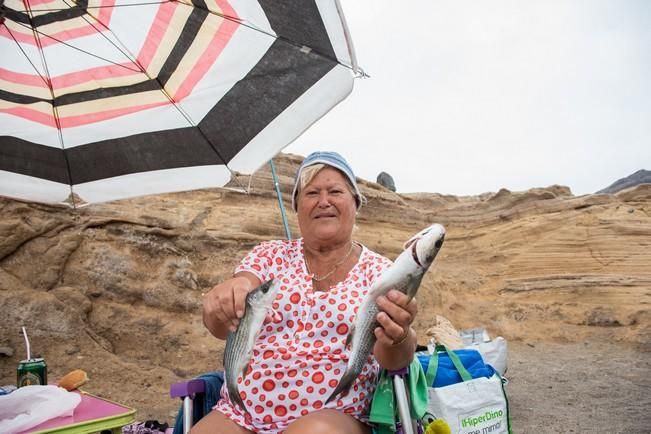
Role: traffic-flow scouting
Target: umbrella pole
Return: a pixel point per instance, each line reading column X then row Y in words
column 280, row 199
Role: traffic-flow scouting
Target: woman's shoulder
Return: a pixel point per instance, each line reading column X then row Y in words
column 373, row 264
column 372, row 256
column 280, row 247
column 267, row 253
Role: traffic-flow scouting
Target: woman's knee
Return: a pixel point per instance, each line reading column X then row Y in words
column 327, row 422
column 217, row 423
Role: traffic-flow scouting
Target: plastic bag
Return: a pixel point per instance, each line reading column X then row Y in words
column 494, row 353
column 447, row 373
column 29, row 406
column 478, row 405
column 474, row 404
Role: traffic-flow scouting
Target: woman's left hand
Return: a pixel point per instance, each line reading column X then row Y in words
column 395, row 317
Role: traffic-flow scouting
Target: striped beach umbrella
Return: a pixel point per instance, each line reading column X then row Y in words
column 109, row 99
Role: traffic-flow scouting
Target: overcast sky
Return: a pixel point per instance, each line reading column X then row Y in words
column 467, row 97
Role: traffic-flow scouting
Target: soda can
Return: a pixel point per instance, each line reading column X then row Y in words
column 32, row 372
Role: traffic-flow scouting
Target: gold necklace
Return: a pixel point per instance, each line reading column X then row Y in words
column 331, row 272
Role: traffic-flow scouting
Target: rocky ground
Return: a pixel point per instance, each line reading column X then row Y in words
column 115, row 289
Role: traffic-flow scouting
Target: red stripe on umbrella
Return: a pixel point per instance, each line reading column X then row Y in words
column 90, row 118
column 46, row 119
column 214, row 48
column 26, row 35
column 98, row 73
column 156, row 33
column 21, row 78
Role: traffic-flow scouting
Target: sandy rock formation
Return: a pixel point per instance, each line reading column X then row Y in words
column 115, row 289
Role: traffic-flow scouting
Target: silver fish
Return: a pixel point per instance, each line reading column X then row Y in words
column 239, row 344
column 404, row 275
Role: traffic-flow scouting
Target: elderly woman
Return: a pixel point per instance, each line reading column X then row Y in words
column 301, row 352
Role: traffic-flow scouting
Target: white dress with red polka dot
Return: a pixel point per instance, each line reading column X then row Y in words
column 299, row 358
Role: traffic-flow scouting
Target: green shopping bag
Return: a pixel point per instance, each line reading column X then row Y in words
column 384, row 411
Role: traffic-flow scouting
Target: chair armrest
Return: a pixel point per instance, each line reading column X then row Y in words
column 399, row 372
column 187, row 388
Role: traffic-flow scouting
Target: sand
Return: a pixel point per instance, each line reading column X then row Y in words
column 590, row 387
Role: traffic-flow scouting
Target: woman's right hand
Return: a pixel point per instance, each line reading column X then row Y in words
column 224, row 304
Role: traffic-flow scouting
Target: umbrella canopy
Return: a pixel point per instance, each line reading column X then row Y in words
column 108, row 99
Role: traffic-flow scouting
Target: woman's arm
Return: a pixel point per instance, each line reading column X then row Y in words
column 396, row 340
column 223, row 305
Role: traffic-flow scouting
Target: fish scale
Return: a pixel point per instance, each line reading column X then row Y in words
column 234, row 345
column 367, row 340
column 239, row 344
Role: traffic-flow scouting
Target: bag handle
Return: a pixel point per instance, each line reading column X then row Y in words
column 433, row 365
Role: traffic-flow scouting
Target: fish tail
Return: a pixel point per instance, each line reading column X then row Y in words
column 344, row 384
column 349, row 338
column 234, row 395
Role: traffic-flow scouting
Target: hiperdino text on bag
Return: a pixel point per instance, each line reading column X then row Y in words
column 488, row 421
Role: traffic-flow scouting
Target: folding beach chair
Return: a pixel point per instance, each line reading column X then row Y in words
column 200, row 394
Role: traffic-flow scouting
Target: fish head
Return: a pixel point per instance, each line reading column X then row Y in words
column 263, row 295
column 425, row 245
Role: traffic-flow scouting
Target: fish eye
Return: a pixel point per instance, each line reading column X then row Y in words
column 265, row 287
column 438, row 243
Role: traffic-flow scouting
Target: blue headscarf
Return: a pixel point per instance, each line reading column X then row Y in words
column 332, row 159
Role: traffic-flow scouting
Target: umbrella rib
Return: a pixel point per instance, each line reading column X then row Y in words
column 26, row 56
column 55, row 111
column 169, row 97
column 101, row 7
column 77, row 48
column 278, row 37
column 124, row 52
column 122, row 49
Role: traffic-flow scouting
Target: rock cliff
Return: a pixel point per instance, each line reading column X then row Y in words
column 115, row 289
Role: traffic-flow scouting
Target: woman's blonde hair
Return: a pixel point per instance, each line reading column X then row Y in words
column 308, row 174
